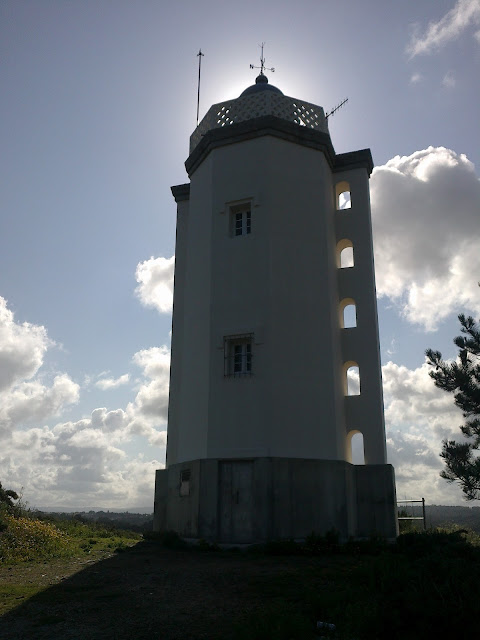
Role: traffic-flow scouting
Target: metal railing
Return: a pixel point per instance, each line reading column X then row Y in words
column 422, row 517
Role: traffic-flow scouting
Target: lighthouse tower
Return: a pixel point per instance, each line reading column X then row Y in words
column 275, row 351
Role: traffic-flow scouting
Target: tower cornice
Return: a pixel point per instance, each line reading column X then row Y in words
column 181, row 192
column 273, row 126
column 354, row 160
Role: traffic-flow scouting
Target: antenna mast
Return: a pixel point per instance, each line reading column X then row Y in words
column 199, row 56
column 335, row 109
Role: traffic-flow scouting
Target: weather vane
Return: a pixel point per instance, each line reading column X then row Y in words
column 262, row 66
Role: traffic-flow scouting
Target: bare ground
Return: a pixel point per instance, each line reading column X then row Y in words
column 151, row 592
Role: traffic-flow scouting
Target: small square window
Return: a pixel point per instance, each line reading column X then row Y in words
column 238, row 355
column 185, row 482
column 241, row 220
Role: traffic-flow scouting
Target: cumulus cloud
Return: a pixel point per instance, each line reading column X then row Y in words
column 425, row 212
column 80, row 462
column 108, row 421
column 22, row 347
column 30, row 401
column 84, row 462
column 416, row 78
column 151, row 403
column 464, row 14
column 155, row 278
column 411, row 398
column 418, row 416
column 112, row 383
column 23, row 397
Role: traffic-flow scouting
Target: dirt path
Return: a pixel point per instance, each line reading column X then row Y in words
column 144, row 592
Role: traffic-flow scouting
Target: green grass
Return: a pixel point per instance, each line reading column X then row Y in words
column 11, row 595
column 425, row 585
column 28, row 539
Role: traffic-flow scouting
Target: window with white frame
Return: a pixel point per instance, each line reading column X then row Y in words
column 238, row 354
column 241, row 219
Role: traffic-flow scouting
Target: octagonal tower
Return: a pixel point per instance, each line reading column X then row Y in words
column 275, row 351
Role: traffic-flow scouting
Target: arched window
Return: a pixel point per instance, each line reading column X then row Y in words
column 345, row 254
column 351, row 380
column 348, row 313
column 343, row 196
column 355, row 447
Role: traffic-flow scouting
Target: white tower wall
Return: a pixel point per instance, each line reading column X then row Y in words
column 282, row 284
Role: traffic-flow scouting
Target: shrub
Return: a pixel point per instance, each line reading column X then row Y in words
column 204, row 545
column 286, row 547
column 26, row 539
column 168, row 539
column 316, row 544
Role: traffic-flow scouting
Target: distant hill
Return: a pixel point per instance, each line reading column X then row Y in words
column 141, row 518
column 140, row 522
column 438, row 515
column 94, row 510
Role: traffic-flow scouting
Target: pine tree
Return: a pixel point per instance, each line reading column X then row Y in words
column 462, row 378
column 7, row 496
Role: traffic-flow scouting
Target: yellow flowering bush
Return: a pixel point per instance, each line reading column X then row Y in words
column 24, row 539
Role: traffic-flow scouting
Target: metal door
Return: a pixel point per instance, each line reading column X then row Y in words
column 236, row 501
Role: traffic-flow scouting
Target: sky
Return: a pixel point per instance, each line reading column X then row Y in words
column 98, row 103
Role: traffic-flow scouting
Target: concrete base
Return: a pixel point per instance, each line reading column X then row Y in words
column 246, row 501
